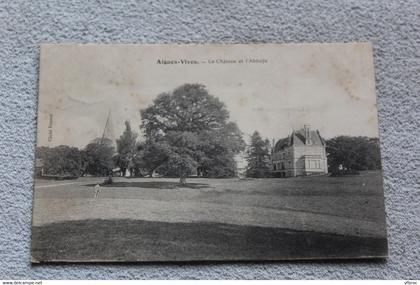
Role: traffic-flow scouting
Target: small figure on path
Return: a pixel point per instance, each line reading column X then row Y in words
column 97, row 190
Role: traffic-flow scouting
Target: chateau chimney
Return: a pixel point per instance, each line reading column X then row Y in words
column 308, row 139
column 273, row 145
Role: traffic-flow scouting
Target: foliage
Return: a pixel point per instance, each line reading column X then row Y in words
column 42, row 152
column 150, row 155
column 126, row 149
column 60, row 160
column 218, row 149
column 99, row 157
column 186, row 130
column 258, row 157
column 353, row 153
column 182, row 156
column 188, row 108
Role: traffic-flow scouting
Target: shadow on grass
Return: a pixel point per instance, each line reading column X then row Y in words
column 137, row 240
column 155, row 184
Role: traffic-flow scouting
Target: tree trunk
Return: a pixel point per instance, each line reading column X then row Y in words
column 156, row 166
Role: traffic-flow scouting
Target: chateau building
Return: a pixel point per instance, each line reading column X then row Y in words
column 302, row 153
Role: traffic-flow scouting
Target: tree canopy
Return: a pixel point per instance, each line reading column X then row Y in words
column 187, row 130
column 258, row 156
column 61, row 160
column 126, row 148
column 99, row 157
column 188, row 108
column 353, row 153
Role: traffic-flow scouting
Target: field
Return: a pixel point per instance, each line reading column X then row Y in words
column 157, row 219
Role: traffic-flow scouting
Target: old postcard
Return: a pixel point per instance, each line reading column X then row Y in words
column 207, row 152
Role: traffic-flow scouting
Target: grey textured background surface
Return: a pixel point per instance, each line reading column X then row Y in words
column 393, row 27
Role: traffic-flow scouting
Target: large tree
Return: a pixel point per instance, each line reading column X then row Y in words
column 257, row 156
column 219, row 147
column 150, row 155
column 126, row 149
column 353, row 153
column 99, row 156
column 189, row 129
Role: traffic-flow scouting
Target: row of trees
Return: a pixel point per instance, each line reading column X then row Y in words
column 353, row 154
column 95, row 159
column 187, row 131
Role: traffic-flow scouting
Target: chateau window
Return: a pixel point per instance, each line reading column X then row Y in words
column 314, row 164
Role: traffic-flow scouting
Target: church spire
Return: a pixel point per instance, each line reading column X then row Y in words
column 108, row 132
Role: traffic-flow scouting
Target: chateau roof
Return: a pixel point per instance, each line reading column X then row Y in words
column 297, row 138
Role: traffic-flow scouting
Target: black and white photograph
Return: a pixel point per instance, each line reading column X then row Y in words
column 207, row 152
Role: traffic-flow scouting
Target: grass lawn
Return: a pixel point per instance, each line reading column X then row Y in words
column 136, row 240
column 157, row 219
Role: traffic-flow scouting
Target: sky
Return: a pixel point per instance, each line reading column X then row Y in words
column 271, row 88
